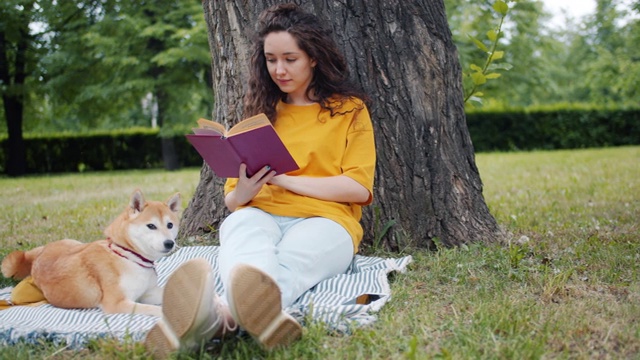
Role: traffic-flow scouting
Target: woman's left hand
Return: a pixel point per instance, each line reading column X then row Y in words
column 247, row 187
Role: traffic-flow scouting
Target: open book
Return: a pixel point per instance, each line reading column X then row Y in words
column 252, row 141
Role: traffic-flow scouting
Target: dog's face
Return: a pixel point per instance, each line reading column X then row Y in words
column 149, row 228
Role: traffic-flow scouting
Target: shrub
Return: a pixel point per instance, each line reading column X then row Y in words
column 547, row 128
column 543, row 129
column 136, row 148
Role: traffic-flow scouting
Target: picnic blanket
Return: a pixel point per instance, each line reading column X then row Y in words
column 332, row 301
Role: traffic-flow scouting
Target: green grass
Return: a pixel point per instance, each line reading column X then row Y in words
column 564, row 286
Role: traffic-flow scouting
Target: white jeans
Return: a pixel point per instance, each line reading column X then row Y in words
column 297, row 252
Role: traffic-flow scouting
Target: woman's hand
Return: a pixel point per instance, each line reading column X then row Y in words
column 247, row 187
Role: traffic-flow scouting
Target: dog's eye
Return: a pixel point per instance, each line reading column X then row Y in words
column 151, row 226
column 170, row 226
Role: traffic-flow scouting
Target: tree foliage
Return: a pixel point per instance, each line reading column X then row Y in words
column 590, row 60
column 611, row 61
column 107, row 63
column 80, row 64
column 480, row 74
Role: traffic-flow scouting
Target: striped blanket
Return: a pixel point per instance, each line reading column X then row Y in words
column 332, row 301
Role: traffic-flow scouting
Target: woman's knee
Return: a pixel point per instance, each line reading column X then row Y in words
column 247, row 223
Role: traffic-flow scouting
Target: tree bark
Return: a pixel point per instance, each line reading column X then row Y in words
column 13, row 96
column 167, row 144
column 428, row 188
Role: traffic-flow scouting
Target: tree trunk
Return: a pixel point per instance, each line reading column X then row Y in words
column 167, row 144
column 13, row 95
column 16, row 150
column 428, row 188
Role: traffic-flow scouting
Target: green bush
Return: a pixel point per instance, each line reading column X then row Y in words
column 504, row 130
column 553, row 129
column 136, row 148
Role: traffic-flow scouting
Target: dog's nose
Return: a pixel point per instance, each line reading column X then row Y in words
column 168, row 244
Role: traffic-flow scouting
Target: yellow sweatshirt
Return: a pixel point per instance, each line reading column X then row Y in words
column 322, row 146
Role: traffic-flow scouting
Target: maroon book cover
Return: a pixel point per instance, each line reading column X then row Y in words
column 257, row 145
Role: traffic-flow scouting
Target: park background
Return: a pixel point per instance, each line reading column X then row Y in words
column 134, row 79
column 564, row 285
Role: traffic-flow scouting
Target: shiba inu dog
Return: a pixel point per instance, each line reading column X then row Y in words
column 117, row 274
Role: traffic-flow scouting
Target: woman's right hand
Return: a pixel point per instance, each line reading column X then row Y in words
column 247, row 187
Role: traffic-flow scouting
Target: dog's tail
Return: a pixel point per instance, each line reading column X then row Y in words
column 18, row 263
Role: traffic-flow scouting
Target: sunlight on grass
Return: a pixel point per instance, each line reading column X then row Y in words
column 555, row 191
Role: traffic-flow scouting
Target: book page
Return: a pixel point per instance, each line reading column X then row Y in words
column 248, row 124
column 206, row 131
column 212, row 125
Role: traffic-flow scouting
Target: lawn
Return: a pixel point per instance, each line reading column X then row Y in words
column 566, row 285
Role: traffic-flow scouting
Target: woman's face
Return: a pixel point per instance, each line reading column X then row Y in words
column 290, row 67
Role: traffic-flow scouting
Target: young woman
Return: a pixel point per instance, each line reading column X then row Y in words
column 286, row 232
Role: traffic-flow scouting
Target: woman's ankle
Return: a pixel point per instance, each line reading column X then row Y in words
column 229, row 323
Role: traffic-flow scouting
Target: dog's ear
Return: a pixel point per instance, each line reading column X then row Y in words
column 174, row 202
column 137, row 201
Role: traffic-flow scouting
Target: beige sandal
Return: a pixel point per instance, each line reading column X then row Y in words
column 256, row 305
column 192, row 311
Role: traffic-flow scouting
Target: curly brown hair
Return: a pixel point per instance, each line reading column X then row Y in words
column 330, row 85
